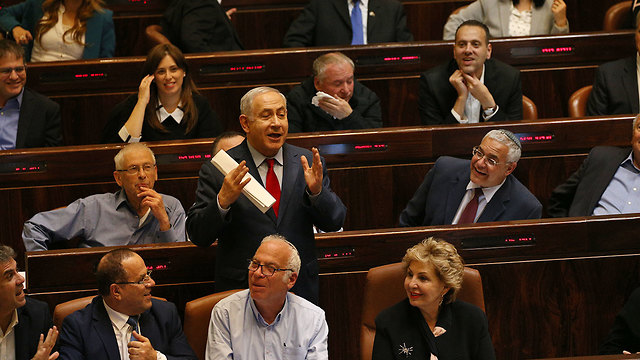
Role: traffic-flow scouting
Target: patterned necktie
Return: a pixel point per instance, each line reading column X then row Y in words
column 273, row 186
column 133, row 322
column 356, row 24
column 468, row 215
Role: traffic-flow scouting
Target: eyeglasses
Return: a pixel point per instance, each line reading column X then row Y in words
column 135, row 169
column 145, row 281
column 267, row 270
column 6, row 71
column 479, row 155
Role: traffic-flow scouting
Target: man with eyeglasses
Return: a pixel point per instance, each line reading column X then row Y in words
column 124, row 321
column 267, row 321
column 136, row 214
column 27, row 119
column 457, row 191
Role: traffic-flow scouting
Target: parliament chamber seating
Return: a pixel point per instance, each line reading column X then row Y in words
column 578, row 102
column 529, row 109
column 618, row 17
column 384, row 287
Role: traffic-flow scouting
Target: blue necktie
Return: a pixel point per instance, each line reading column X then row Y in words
column 356, row 24
column 133, row 321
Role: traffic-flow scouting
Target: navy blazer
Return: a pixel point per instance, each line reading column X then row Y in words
column 615, row 89
column 580, row 194
column 33, row 319
column 88, row 333
column 440, row 194
column 244, row 227
column 437, row 96
column 39, row 121
column 327, row 22
column 100, row 38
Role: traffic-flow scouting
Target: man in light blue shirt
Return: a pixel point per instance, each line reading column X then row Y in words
column 266, row 321
column 136, row 214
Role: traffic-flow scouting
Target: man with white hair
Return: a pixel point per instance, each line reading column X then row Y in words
column 457, row 191
column 267, row 319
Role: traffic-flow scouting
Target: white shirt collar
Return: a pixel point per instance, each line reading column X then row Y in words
column 117, row 318
column 258, row 158
column 177, row 114
column 12, row 323
column 488, row 192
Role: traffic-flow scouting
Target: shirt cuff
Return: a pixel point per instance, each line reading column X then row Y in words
column 160, row 356
column 458, row 117
column 223, row 212
column 487, row 118
column 126, row 137
column 312, row 198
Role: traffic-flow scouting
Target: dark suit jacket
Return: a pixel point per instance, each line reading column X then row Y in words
column 438, row 197
column 625, row 332
column 39, row 121
column 437, row 96
column 88, row 333
column 580, row 194
column 100, row 37
column 33, row 319
column 402, row 326
column 615, row 90
column 304, row 116
column 241, row 231
column 199, row 26
column 328, row 22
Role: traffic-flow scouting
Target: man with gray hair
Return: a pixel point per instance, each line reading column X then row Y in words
column 296, row 177
column 457, row 191
column 350, row 105
column 267, row 318
column 135, row 214
column 606, row 183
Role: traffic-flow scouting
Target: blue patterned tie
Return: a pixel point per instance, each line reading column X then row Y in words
column 133, row 321
column 356, row 24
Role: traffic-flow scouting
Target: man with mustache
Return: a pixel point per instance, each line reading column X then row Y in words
column 472, row 87
column 136, row 214
column 457, row 191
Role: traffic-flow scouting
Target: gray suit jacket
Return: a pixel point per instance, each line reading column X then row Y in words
column 495, row 14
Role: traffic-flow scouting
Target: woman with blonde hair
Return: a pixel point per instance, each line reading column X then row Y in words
column 431, row 323
column 54, row 30
column 167, row 106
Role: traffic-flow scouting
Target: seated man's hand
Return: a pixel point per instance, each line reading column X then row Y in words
column 141, row 349
column 479, row 91
column 45, row 345
column 233, row 185
column 457, row 81
column 154, row 201
column 336, row 107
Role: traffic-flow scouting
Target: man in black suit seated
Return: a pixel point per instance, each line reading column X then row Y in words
column 472, row 87
column 24, row 322
column 607, row 182
column 351, row 105
column 196, row 26
column 27, row 119
column 615, row 88
column 124, row 319
column 348, row 22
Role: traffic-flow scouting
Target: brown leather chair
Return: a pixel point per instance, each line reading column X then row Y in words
column 529, row 109
column 66, row 308
column 578, row 101
column 618, row 16
column 385, row 287
column 197, row 314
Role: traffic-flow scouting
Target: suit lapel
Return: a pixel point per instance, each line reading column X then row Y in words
column 104, row 329
column 497, row 206
column 148, row 329
column 342, row 8
column 630, row 83
column 22, row 334
column 458, row 187
column 291, row 168
column 608, row 171
column 372, row 8
column 504, row 8
column 24, row 119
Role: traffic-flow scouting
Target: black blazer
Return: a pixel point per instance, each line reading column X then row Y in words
column 401, row 333
column 33, row 319
column 88, row 333
column 199, row 26
column 327, row 22
column 437, row 96
column 39, row 121
column 438, row 197
column 579, row 195
column 615, row 89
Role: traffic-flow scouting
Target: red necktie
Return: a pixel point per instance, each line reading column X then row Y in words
column 468, row 215
column 273, row 186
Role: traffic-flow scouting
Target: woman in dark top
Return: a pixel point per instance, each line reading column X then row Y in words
column 430, row 323
column 167, row 106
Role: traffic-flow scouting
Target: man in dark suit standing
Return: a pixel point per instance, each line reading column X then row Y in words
column 27, row 119
column 24, row 322
column 348, row 22
column 615, row 90
column 124, row 319
column 457, row 191
column 607, row 182
column 305, row 197
column 472, row 87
